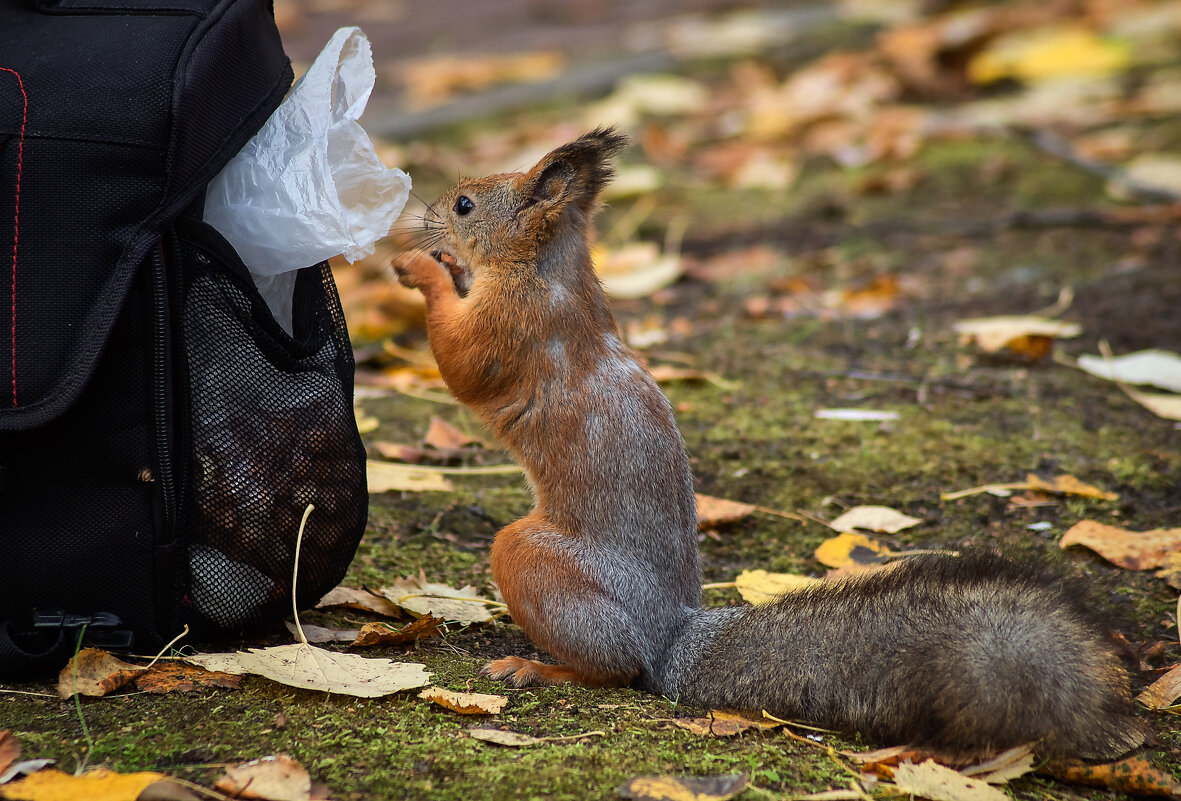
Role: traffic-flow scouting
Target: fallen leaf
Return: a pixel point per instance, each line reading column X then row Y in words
column 1024, row 335
column 1048, row 53
column 312, row 668
column 99, row 784
column 1133, row 550
column 1159, row 368
column 444, row 436
column 275, row 778
column 169, row 790
column 664, row 374
column 713, row 512
column 1068, row 485
column 10, row 750
column 725, row 724
column 383, row 634
column 760, row 587
column 851, row 549
column 683, row 788
column 1167, row 407
column 503, row 737
column 1134, row 775
column 360, row 599
column 1163, row 692
column 855, row 415
column 24, row 767
column 1152, row 171
column 1004, row 767
column 874, row 518
column 1171, row 570
column 94, row 672
column 322, row 634
column 178, row 677
column 465, row 703
column 636, row 270
column 430, row 81
column 938, row 783
column 389, row 477
column 420, row 597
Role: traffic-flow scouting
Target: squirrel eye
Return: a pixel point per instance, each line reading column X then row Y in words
column 464, row 205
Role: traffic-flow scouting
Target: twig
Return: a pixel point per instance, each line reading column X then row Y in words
column 295, row 574
column 170, row 643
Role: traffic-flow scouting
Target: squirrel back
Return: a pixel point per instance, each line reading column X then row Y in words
column 964, row 655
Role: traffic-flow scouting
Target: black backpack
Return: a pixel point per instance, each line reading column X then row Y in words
column 160, row 434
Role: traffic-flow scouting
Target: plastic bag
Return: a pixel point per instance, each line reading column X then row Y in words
column 309, row 185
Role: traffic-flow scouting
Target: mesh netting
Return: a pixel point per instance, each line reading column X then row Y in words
column 272, row 430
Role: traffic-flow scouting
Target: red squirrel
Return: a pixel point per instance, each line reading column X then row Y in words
column 964, row 656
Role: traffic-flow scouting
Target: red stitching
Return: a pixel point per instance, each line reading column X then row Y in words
column 16, row 216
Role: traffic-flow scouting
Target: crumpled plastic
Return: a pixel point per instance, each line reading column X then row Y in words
column 309, row 185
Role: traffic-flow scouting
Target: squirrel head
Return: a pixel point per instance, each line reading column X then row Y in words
column 508, row 220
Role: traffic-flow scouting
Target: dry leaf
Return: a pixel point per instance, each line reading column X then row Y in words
column 874, row 518
column 683, row 788
column 664, row 374
column 1159, row 368
column 94, row 672
column 10, row 750
column 360, row 599
column 1025, row 335
column 850, row 549
column 432, row 80
column 1048, row 53
column 99, row 784
column 1167, row 407
column 1171, row 571
column 389, row 477
column 725, row 724
column 760, row 587
column 636, row 270
column 713, row 512
column 1134, row 775
column 1163, row 692
column 275, row 778
column 938, row 783
column 1004, row 767
column 383, row 634
column 177, row 677
column 420, row 597
column 25, row 767
column 444, row 436
column 322, row 634
column 1068, row 485
column 465, row 703
column 1133, row 550
column 503, row 737
column 312, row 668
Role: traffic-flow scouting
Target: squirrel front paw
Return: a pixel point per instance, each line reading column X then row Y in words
column 414, row 270
column 517, row 672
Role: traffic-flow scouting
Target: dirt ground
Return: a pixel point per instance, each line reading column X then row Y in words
column 837, row 289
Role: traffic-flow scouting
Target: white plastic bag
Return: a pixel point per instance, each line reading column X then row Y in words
column 309, row 185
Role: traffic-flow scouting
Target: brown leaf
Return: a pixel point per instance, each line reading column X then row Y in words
column 1134, row 775
column 713, row 511
column 322, row 634
column 1133, row 550
column 275, row 778
column 10, row 750
column 725, row 724
column 355, row 598
column 503, row 737
column 444, row 436
column 420, row 597
column 179, row 677
column 1069, row 485
column 94, row 672
column 1163, row 692
column 383, row 634
column 683, row 788
column 464, row 703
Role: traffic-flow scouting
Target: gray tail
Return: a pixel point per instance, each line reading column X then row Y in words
column 965, row 656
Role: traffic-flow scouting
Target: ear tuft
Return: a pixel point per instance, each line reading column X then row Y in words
column 575, row 173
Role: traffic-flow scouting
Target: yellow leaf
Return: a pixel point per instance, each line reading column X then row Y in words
column 992, row 334
column 388, row 477
column 1068, row 485
column 725, row 724
column 850, row 549
column 938, row 783
column 420, row 597
column 1046, row 53
column 760, row 587
column 1133, row 550
column 465, row 703
column 97, row 785
column 683, row 788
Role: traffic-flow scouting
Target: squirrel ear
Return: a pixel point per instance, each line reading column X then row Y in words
column 574, row 173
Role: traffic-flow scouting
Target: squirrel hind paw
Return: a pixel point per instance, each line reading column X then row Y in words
column 517, row 672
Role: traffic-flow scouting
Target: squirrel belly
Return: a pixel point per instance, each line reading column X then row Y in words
column 964, row 655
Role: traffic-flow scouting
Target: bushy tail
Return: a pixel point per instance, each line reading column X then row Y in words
column 962, row 655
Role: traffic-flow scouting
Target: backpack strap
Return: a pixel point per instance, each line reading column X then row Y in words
column 24, row 654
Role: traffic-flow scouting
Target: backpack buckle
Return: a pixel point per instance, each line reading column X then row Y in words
column 101, row 628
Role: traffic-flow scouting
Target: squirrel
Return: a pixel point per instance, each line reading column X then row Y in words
column 963, row 656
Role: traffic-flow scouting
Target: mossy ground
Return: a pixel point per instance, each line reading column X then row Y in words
column 964, row 421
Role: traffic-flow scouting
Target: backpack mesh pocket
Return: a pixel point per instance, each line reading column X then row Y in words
column 271, row 430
